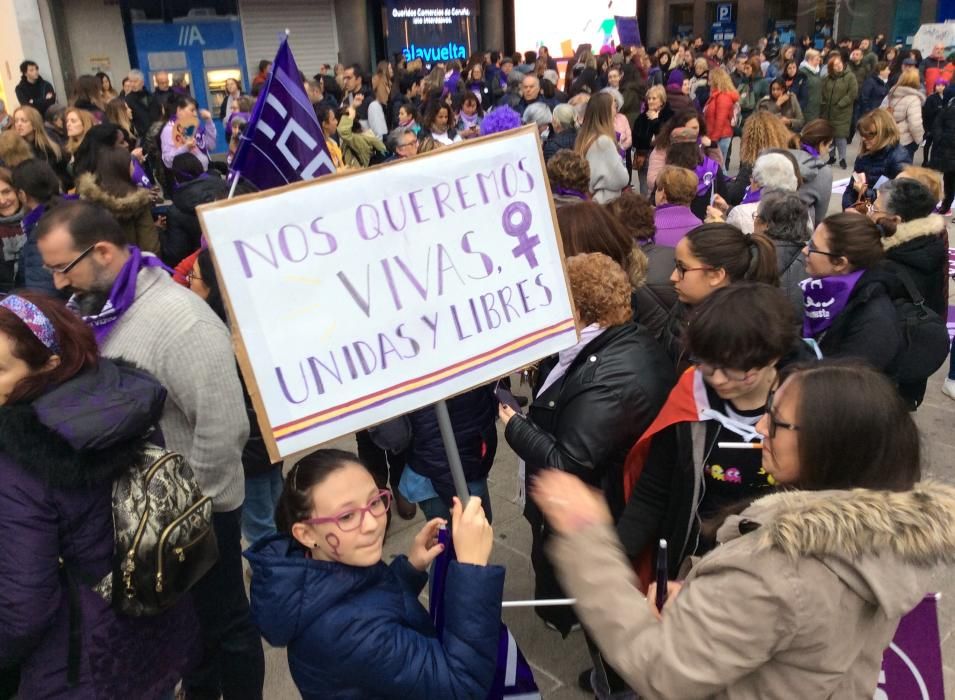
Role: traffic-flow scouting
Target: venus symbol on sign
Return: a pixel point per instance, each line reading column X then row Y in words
column 518, row 229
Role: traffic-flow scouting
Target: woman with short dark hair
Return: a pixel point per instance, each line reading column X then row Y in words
column 798, row 588
column 781, row 216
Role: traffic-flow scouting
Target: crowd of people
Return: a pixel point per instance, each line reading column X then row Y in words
column 742, row 387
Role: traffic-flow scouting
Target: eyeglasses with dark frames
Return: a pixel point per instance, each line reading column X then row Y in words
column 811, row 247
column 681, row 269
column 190, row 276
column 351, row 519
column 735, row 375
column 63, row 269
column 773, row 423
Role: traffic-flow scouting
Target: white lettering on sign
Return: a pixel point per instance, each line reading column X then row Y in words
column 189, row 34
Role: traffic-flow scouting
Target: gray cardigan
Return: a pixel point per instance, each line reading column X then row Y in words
column 608, row 174
column 172, row 333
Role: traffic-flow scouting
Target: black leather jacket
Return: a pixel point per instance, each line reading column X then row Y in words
column 587, row 421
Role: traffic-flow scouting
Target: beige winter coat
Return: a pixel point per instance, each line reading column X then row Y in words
column 905, row 106
column 133, row 211
column 801, row 607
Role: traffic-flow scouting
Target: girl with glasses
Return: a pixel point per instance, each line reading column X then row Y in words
column 677, row 475
column 798, row 591
column 848, row 309
column 353, row 624
column 708, row 258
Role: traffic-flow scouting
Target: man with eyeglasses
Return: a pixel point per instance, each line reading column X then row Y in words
column 140, row 315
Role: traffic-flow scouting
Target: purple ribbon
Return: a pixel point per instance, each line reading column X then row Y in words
column 824, row 299
column 121, row 295
column 568, row 192
column 707, row 166
column 810, row 150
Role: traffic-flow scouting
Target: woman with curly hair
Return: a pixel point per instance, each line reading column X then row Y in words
column 569, row 175
column 591, row 404
column 761, row 131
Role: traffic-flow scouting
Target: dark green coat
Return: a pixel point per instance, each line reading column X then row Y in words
column 808, row 88
column 839, row 92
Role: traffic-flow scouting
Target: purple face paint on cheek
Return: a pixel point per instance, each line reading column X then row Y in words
column 332, row 540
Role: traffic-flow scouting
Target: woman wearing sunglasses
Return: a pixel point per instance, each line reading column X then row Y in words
column 848, row 308
column 353, row 625
column 808, row 585
column 708, row 258
column 679, row 473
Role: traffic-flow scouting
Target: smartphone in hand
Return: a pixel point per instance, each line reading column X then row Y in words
column 505, row 396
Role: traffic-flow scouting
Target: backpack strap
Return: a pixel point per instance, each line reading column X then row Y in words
column 910, row 289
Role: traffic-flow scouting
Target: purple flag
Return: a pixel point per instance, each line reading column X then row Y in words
column 513, row 679
column 283, row 142
column 912, row 665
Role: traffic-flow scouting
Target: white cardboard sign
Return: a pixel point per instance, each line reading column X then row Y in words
column 362, row 296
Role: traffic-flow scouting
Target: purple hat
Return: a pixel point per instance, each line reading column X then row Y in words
column 676, row 77
column 34, row 319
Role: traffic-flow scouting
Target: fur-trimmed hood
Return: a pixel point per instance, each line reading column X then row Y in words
column 931, row 225
column 126, row 207
column 881, row 544
column 86, row 430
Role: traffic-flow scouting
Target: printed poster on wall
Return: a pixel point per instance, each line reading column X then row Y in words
column 364, row 295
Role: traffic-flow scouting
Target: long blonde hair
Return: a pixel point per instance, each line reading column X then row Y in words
column 597, row 122
column 762, row 130
column 41, row 142
column 73, row 142
column 720, row 80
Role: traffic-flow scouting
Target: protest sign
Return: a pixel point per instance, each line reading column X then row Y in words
column 912, row 665
column 367, row 294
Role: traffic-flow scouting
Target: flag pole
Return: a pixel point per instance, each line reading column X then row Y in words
column 451, row 448
column 235, row 182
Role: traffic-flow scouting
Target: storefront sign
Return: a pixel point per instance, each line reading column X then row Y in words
column 364, row 295
column 432, row 30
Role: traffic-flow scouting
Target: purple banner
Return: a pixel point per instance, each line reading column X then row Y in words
column 283, row 142
column 514, row 677
column 628, row 31
column 912, row 665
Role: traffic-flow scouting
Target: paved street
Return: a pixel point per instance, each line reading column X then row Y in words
column 557, row 662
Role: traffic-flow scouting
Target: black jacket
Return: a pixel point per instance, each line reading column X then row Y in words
column 645, row 129
column 558, row 141
column 886, row 162
column 39, row 95
column 866, row 328
column 791, row 265
column 654, row 300
column 183, row 235
column 873, row 91
column 145, row 108
column 586, row 422
column 920, row 248
column 934, row 104
column 943, row 138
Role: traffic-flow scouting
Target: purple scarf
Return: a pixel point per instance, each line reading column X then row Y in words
column 121, row 296
column 708, row 166
column 465, row 122
column 568, row 192
column 751, row 197
column 825, row 298
column 810, row 150
column 140, row 178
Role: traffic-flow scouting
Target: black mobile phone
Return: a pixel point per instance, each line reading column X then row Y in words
column 661, row 575
column 505, row 396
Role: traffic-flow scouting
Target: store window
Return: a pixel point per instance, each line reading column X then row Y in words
column 681, row 20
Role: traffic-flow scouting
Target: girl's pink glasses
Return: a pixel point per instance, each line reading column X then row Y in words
column 352, row 519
